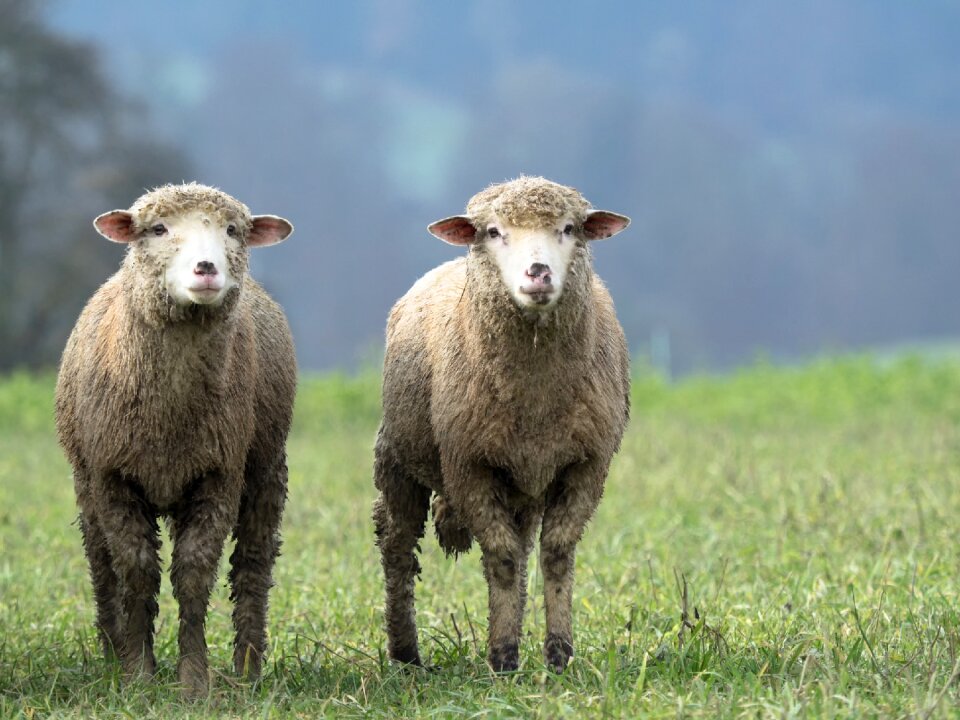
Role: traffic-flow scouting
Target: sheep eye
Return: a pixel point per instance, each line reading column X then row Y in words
column 568, row 229
column 232, row 230
column 493, row 232
column 159, row 229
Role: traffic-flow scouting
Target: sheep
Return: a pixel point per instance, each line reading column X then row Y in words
column 505, row 396
column 174, row 400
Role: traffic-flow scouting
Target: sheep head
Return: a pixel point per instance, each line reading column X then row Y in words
column 192, row 240
column 532, row 228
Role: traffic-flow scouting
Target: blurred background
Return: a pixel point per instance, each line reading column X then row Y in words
column 792, row 169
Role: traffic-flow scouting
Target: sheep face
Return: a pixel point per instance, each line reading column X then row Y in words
column 533, row 259
column 202, row 260
column 192, row 239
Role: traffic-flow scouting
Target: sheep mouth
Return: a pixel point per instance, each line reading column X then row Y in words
column 205, row 295
column 540, row 295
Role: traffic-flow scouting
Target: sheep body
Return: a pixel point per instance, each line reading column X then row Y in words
column 509, row 420
column 178, row 411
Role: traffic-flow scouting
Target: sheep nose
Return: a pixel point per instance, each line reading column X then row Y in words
column 205, row 267
column 539, row 271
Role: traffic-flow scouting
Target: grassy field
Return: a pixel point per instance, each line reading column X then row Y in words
column 811, row 513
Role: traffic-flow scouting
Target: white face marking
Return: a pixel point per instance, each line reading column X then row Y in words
column 196, row 248
column 533, row 262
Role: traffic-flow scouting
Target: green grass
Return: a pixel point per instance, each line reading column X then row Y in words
column 812, row 513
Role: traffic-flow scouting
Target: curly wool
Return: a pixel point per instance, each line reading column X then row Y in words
column 527, row 202
column 179, row 200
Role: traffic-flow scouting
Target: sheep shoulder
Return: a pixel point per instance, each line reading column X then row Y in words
column 276, row 370
column 416, row 327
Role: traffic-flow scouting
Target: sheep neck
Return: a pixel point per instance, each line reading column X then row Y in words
column 508, row 335
column 191, row 344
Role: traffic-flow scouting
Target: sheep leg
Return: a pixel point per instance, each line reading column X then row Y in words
column 105, row 586
column 527, row 521
column 500, row 568
column 498, row 532
column 399, row 515
column 133, row 542
column 571, row 502
column 257, row 536
column 199, row 529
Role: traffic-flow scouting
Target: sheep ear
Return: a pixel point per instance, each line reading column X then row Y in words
column 116, row 225
column 268, row 230
column 456, row 230
column 601, row 224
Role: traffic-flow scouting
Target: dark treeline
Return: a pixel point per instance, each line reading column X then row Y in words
column 68, row 142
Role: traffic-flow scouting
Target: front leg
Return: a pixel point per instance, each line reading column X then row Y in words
column 476, row 493
column 106, row 586
column 200, row 526
column 571, row 502
column 123, row 543
column 528, row 520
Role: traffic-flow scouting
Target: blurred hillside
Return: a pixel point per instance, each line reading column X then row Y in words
column 793, row 169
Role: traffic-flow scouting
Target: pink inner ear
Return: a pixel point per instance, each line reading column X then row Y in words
column 456, row 230
column 268, row 230
column 116, row 225
column 601, row 224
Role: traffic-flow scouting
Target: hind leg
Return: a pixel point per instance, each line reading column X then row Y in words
column 257, row 536
column 105, row 586
column 399, row 515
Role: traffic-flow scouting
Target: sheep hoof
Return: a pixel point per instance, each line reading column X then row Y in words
column 194, row 683
column 110, row 644
column 557, row 651
column 246, row 663
column 416, row 668
column 505, row 658
column 140, row 668
column 408, row 655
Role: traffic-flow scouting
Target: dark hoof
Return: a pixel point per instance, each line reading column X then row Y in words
column 109, row 645
column 407, row 656
column 194, row 680
column 557, row 652
column 417, row 668
column 139, row 668
column 505, row 658
column 246, row 663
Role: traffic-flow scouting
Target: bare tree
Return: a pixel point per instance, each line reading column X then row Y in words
column 67, row 146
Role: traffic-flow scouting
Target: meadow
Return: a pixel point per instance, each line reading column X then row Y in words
column 779, row 542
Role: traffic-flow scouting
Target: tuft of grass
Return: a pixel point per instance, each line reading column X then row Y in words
column 780, row 542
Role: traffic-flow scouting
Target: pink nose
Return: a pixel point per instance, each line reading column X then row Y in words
column 205, row 267
column 539, row 273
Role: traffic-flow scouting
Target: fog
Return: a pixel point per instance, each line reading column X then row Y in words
column 792, row 169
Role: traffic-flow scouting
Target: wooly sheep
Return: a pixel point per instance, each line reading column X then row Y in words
column 174, row 399
column 505, row 395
